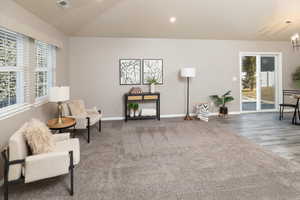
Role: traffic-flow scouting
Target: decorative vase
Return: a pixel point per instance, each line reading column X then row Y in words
column 131, row 113
column 152, row 88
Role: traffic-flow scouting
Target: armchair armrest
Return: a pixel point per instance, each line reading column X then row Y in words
column 42, row 166
column 61, row 137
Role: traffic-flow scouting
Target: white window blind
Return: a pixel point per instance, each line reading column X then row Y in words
column 13, row 76
column 45, row 64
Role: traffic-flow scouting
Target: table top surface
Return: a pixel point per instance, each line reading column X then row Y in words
column 67, row 122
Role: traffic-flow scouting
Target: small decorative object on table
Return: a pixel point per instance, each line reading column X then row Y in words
column 202, row 111
column 136, row 109
column 221, row 101
column 130, row 109
column 152, row 82
column 135, row 90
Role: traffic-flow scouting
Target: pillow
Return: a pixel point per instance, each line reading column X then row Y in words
column 39, row 137
column 77, row 107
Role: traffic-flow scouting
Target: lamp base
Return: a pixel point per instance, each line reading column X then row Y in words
column 59, row 109
column 188, row 118
column 59, row 120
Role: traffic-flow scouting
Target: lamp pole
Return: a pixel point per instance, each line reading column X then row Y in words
column 188, row 117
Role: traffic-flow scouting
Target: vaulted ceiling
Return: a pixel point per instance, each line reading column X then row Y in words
column 203, row 19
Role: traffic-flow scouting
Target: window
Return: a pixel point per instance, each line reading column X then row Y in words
column 11, row 69
column 44, row 67
column 27, row 69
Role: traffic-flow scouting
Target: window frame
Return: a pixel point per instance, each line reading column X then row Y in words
column 19, row 68
column 49, row 69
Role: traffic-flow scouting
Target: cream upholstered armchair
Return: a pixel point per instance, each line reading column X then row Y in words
column 20, row 166
column 85, row 118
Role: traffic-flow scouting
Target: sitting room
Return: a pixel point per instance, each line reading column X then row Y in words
column 149, row 100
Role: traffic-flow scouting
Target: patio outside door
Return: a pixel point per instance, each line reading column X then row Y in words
column 259, row 82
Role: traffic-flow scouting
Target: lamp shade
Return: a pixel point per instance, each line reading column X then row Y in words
column 188, row 72
column 59, row 94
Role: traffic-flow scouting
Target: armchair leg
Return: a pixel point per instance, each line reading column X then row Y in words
column 5, row 185
column 100, row 125
column 6, row 167
column 71, row 173
column 88, row 129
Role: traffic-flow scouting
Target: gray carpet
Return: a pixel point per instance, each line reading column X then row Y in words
column 171, row 160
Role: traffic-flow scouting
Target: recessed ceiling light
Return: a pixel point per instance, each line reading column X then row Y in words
column 173, row 19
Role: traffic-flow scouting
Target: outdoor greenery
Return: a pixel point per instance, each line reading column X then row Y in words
column 222, row 100
column 249, row 69
column 8, row 79
column 296, row 77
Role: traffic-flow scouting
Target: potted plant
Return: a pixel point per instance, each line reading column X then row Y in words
column 131, row 109
column 152, row 82
column 221, row 101
column 136, row 108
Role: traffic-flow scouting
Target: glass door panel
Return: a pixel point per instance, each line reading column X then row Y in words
column 267, row 82
column 248, row 78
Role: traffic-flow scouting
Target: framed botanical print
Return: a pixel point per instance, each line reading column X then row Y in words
column 152, row 69
column 130, row 71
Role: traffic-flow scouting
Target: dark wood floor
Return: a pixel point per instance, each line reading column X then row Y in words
column 281, row 137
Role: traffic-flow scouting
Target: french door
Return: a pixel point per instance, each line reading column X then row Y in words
column 260, row 81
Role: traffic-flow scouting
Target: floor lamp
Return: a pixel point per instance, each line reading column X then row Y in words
column 188, row 73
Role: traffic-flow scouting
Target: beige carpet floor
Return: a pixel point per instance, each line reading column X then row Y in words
column 171, row 160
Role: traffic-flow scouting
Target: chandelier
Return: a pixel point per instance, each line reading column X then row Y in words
column 295, row 41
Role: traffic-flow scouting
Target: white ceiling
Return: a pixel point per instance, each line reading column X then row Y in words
column 203, row 19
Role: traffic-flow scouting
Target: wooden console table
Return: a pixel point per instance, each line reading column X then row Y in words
column 140, row 98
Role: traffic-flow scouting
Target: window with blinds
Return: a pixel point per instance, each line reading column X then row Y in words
column 27, row 69
column 11, row 69
column 44, row 66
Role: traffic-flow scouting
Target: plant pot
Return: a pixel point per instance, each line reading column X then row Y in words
column 136, row 113
column 223, row 110
column 131, row 113
column 152, row 88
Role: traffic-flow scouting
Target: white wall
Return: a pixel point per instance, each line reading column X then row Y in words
column 94, row 74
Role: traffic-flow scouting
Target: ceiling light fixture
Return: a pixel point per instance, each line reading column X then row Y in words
column 63, row 3
column 288, row 21
column 295, row 41
column 173, row 20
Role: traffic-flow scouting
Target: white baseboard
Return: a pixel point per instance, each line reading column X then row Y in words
column 193, row 114
column 165, row 116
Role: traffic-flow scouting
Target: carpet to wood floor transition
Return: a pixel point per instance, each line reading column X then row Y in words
column 171, row 160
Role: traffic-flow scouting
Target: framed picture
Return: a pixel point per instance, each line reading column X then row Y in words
column 153, row 68
column 130, row 71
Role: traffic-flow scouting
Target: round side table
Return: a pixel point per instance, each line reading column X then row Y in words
column 67, row 122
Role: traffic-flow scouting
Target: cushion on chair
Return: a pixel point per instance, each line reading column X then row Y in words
column 39, row 137
column 18, row 150
column 46, row 165
column 77, row 107
column 69, row 145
